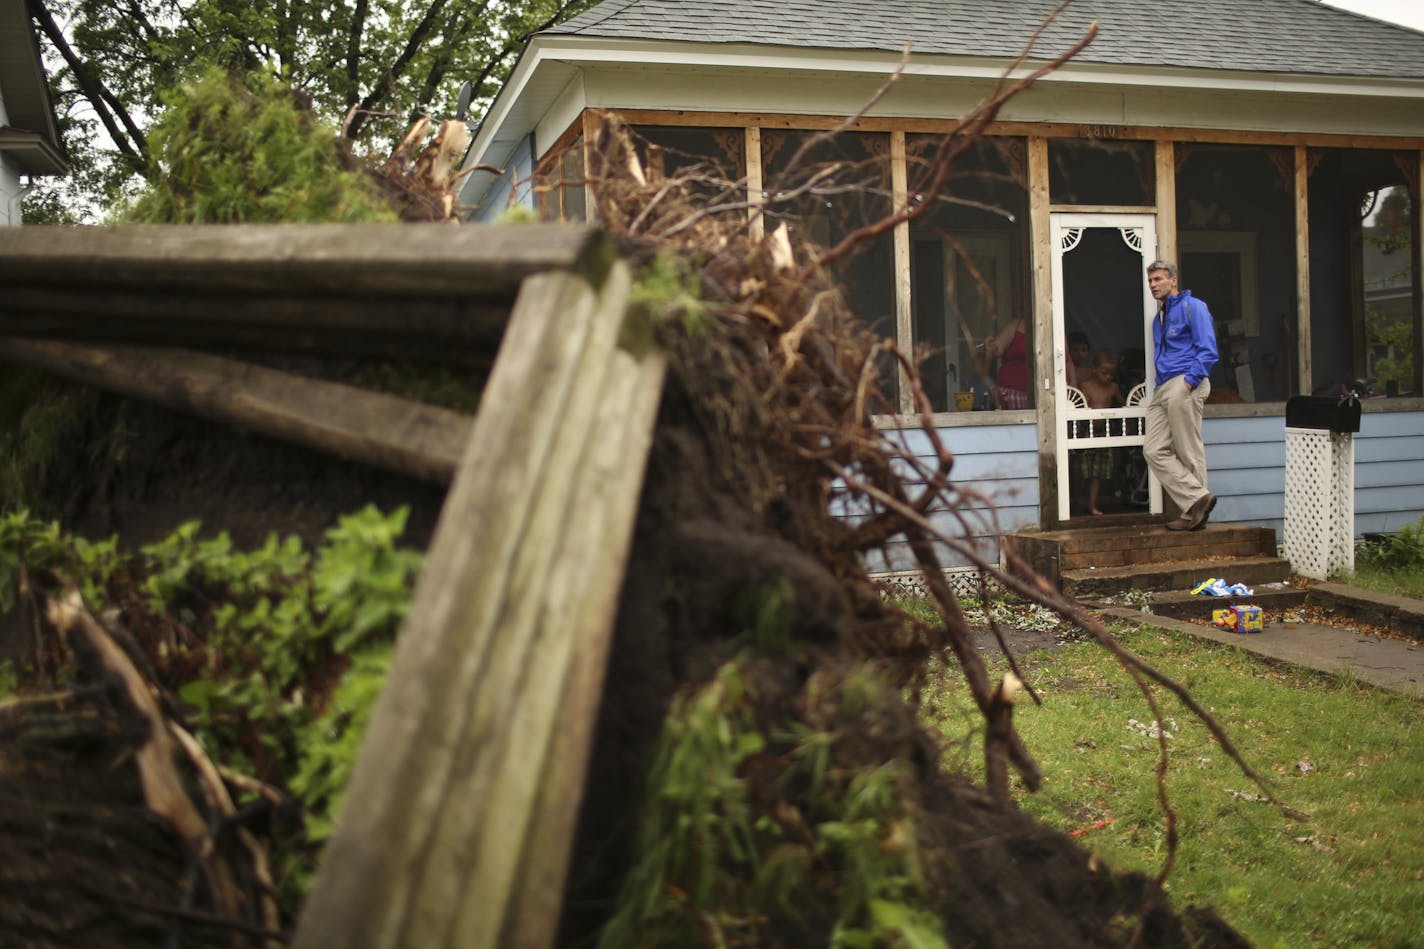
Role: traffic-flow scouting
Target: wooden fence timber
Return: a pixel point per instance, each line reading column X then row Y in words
column 419, row 289
column 458, row 823
column 402, row 435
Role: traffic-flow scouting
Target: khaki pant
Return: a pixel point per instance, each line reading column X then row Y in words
column 1173, row 446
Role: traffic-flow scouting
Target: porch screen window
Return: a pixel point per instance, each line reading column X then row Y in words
column 712, row 160
column 824, row 189
column 558, row 192
column 1101, row 171
column 968, row 268
column 1236, row 250
column 1363, row 325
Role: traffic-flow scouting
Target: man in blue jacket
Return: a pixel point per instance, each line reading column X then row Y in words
column 1184, row 350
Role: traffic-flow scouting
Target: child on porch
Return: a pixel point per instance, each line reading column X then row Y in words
column 1101, row 391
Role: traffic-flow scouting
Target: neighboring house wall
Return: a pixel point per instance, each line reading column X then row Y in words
column 9, row 178
column 9, row 193
column 29, row 135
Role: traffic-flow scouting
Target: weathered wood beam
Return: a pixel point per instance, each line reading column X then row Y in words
column 402, row 435
column 1040, row 223
column 458, row 820
column 1302, row 356
column 479, row 261
column 872, row 123
column 904, row 309
column 449, row 329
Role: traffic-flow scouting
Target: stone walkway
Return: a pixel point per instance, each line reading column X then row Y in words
column 1394, row 664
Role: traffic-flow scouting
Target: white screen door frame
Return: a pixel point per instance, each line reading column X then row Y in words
column 1079, row 427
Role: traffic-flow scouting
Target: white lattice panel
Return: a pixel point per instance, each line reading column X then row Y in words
column 1319, row 530
column 965, row 583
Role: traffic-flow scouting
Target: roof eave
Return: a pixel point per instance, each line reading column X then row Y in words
column 22, row 79
column 32, row 152
column 511, row 115
column 580, row 50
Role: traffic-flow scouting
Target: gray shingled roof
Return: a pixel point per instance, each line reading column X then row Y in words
column 1278, row 36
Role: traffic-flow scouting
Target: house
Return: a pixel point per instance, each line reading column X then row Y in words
column 1274, row 149
column 29, row 137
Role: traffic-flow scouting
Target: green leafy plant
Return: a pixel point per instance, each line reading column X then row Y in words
column 717, row 863
column 278, row 653
column 1402, row 549
column 233, row 149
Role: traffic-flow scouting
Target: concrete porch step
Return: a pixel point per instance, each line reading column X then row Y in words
column 1173, row 577
column 1271, row 597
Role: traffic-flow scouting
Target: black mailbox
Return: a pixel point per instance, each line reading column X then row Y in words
column 1327, row 412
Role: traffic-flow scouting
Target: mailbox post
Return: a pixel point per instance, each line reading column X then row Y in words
column 1320, row 484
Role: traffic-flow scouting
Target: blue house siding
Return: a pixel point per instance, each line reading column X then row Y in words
column 1246, row 458
column 999, row 462
column 1246, row 469
column 1389, row 471
column 514, row 188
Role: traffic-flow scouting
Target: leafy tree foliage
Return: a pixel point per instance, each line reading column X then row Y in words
column 227, row 151
column 369, row 65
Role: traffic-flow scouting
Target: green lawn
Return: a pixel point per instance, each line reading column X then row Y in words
column 1345, row 755
column 1405, row 581
column 1393, row 563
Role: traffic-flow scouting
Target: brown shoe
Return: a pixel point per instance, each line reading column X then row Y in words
column 1197, row 514
column 1180, row 524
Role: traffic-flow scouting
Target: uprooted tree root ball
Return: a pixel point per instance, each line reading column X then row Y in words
column 791, row 795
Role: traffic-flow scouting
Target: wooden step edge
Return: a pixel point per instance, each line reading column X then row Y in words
column 1211, row 534
column 1171, row 576
column 1218, row 552
column 1207, row 566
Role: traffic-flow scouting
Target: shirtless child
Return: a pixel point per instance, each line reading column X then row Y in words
column 1101, row 391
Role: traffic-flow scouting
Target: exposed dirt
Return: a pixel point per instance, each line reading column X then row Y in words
column 997, row 877
column 172, row 468
column 86, row 864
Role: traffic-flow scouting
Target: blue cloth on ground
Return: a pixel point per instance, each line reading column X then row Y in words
column 1216, row 586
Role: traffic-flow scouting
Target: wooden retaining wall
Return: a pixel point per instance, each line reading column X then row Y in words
column 459, row 819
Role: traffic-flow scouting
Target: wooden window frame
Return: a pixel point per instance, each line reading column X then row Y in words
column 1037, row 134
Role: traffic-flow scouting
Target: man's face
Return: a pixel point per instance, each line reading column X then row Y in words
column 1079, row 352
column 1161, row 283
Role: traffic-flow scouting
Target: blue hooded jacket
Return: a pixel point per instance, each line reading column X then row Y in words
column 1184, row 339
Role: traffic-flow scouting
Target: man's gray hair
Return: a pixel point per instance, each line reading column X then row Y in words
column 1166, row 265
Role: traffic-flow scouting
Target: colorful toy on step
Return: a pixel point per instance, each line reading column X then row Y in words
column 1248, row 619
column 1238, row 619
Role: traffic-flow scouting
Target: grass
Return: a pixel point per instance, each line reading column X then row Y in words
column 1344, row 754
column 1404, row 581
column 1392, row 563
